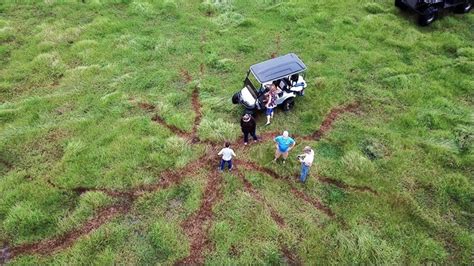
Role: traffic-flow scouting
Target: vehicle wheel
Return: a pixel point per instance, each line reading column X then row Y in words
column 464, row 8
column 236, row 98
column 428, row 16
column 400, row 4
column 288, row 104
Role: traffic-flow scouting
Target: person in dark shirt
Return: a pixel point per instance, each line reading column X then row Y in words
column 248, row 125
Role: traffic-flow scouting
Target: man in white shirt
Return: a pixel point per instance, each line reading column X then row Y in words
column 227, row 154
column 306, row 160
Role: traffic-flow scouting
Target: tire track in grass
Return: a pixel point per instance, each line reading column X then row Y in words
column 196, row 103
column 186, row 76
column 343, row 185
column 127, row 197
column 53, row 245
column 6, row 163
column 277, row 46
column 298, row 193
column 330, row 118
column 313, row 201
column 158, row 119
column 165, row 180
column 290, row 257
column 257, row 196
column 197, row 226
column 325, row 127
column 202, row 67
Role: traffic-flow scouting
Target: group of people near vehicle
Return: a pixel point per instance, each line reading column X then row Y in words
column 283, row 144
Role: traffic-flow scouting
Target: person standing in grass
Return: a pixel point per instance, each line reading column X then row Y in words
column 271, row 103
column 227, row 153
column 306, row 159
column 283, row 145
column 248, row 126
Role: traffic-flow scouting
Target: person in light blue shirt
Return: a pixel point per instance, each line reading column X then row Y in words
column 283, row 145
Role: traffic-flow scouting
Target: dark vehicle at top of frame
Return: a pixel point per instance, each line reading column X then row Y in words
column 428, row 10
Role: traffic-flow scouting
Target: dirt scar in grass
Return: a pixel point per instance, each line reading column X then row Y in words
column 198, row 224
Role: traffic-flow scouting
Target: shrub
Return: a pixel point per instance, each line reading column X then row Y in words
column 464, row 136
column 357, row 164
column 211, row 7
column 208, row 8
column 229, row 19
column 373, row 149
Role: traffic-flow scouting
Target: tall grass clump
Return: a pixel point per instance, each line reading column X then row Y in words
column 26, row 221
column 48, row 68
column 218, row 130
column 89, row 203
column 363, row 246
column 168, row 241
column 356, row 164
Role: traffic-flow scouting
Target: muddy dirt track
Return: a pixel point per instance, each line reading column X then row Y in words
column 197, row 225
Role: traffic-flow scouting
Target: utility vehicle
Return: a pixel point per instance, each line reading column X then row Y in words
column 285, row 72
column 428, row 10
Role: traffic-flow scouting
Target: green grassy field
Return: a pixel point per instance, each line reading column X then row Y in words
column 112, row 113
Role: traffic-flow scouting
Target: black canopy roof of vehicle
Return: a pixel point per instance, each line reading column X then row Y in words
column 277, row 68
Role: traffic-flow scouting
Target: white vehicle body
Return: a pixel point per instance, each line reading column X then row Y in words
column 284, row 72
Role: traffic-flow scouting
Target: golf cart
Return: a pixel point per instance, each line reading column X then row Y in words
column 285, row 72
column 428, row 9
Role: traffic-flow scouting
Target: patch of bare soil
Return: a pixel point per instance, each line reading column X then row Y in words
column 202, row 68
column 148, row 107
column 278, row 46
column 172, row 177
column 343, row 185
column 329, row 120
column 316, row 203
column 256, row 195
column 197, row 225
column 290, row 257
column 196, row 103
column 158, row 119
column 6, row 163
column 254, row 166
column 186, row 76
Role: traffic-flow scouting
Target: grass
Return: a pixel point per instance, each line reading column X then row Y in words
column 72, row 76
